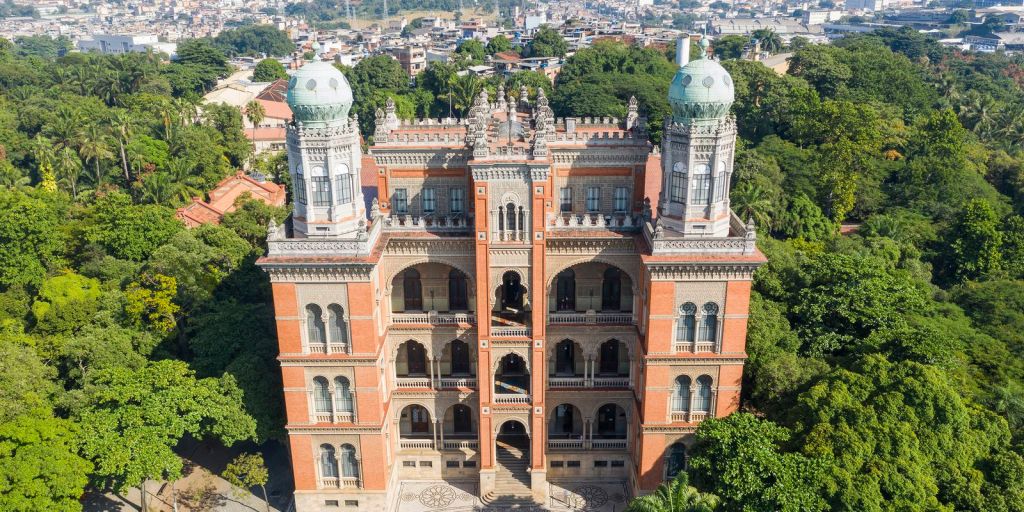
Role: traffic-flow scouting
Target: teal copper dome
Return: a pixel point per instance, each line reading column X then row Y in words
column 319, row 93
column 702, row 89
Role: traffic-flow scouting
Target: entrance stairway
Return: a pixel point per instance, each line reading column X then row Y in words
column 512, row 479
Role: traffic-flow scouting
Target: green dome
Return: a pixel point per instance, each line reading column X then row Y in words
column 319, row 93
column 702, row 89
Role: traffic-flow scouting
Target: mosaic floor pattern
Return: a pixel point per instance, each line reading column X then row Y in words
column 462, row 497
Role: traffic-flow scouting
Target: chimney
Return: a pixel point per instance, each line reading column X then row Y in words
column 683, row 50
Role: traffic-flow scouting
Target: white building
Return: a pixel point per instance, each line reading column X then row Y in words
column 116, row 45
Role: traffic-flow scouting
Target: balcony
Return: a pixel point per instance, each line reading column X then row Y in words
column 696, row 347
column 428, row 222
column 345, row 482
column 337, row 417
column 567, row 382
column 579, row 382
column 461, row 444
column 591, row 318
column 332, row 348
column 510, row 332
column 580, row 443
column 458, row 382
column 688, row 417
column 608, row 444
column 413, row 382
column 597, row 221
column 512, row 399
column 416, row 444
column 433, row 318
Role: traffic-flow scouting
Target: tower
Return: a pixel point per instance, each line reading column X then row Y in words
column 697, row 149
column 324, row 155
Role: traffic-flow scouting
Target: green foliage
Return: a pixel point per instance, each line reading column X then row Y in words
column 598, row 81
column 975, row 243
column 33, row 235
column 254, row 40
column 729, row 47
column 65, row 302
column 269, row 70
column 738, row 459
column 547, row 42
column 128, row 231
column 675, row 496
column 40, row 469
column 247, row 471
column 498, row 44
column 471, row 52
column 149, row 303
column 133, row 418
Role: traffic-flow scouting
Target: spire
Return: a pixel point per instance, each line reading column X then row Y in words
column 500, row 104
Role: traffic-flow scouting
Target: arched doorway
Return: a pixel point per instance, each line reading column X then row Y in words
column 512, row 453
column 511, row 292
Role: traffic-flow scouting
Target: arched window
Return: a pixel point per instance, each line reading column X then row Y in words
column 701, row 185
column 510, row 217
column 675, row 460
column 419, row 420
column 417, row 357
column 703, row 394
column 315, row 325
column 458, row 293
column 342, row 395
column 347, row 457
column 460, row 358
column 611, row 290
column 611, row 421
column 565, row 291
column 563, row 423
column 609, row 357
column 321, row 395
column 677, row 192
column 565, row 358
column 328, row 462
column 709, row 324
column 412, row 290
column 462, row 419
column 336, row 318
column 686, row 326
column 681, row 394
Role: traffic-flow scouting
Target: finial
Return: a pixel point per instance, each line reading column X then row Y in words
column 703, row 44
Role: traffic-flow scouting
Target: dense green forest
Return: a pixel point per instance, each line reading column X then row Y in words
column 886, row 365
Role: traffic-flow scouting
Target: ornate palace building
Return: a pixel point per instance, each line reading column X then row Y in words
column 510, row 315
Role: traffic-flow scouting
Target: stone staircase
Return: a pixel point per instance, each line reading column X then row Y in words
column 512, row 479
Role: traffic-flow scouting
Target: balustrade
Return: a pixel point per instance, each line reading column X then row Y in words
column 416, row 444
column 511, row 399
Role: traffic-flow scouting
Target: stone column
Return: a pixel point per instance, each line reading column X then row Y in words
column 693, row 400
column 334, row 408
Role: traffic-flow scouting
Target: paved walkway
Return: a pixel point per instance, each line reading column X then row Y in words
column 455, row 497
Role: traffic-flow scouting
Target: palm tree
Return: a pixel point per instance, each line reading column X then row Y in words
column 93, row 146
column 464, row 91
column 750, row 201
column 158, row 188
column 675, row 496
column 770, row 41
column 69, row 169
column 255, row 113
column 186, row 185
column 121, row 127
column 42, row 149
